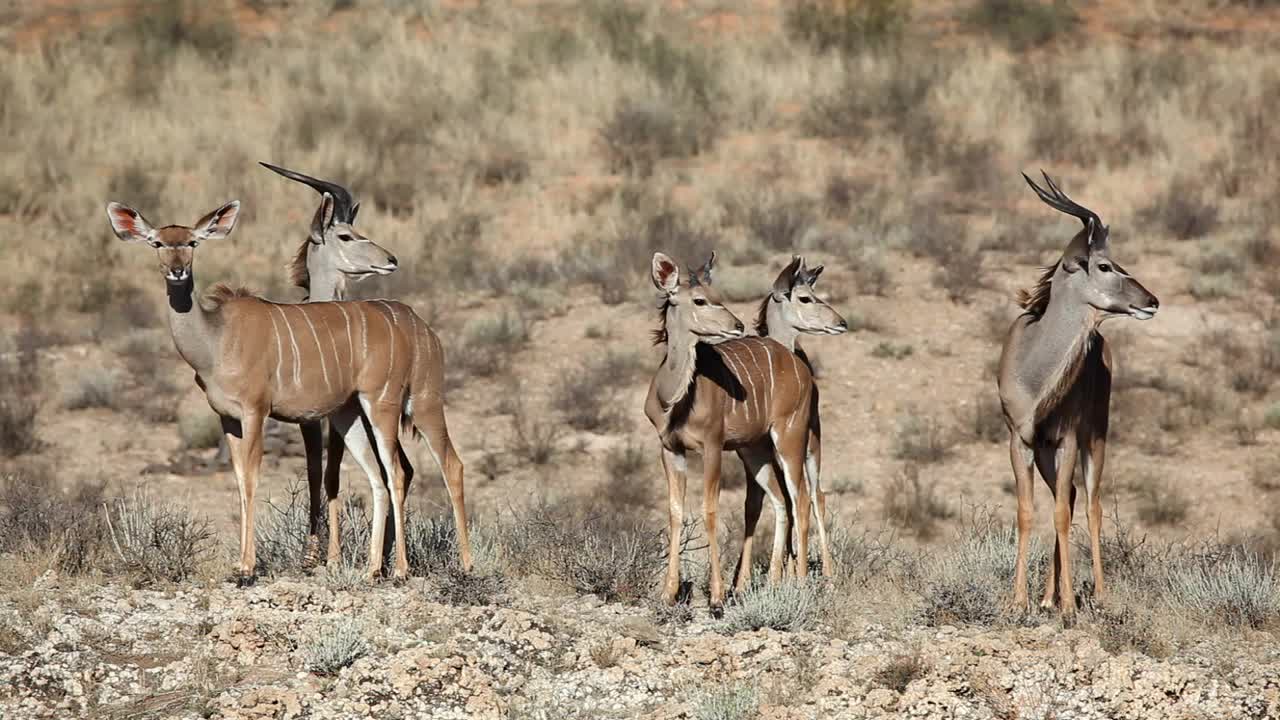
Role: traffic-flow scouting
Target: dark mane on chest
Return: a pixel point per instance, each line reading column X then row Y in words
column 1081, row 368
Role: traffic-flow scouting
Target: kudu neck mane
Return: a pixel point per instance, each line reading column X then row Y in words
column 1067, row 332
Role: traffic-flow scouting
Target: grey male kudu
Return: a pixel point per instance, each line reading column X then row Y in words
column 1055, row 389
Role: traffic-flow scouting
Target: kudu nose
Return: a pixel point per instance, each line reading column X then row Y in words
column 844, row 325
column 739, row 326
column 392, row 260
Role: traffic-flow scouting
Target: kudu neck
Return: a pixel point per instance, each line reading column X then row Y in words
column 327, row 283
column 677, row 369
column 1060, row 340
column 195, row 333
column 779, row 329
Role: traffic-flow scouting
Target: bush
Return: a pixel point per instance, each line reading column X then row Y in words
column 959, row 271
column 734, row 702
column 791, row 606
column 1227, row 584
column 780, row 224
column 19, row 388
column 599, row 555
column 900, row 671
column 588, row 397
column 913, row 504
column 199, row 428
column 157, row 541
column 625, row 483
column 94, row 388
column 921, row 440
column 1182, row 211
column 638, row 136
column 1161, row 503
column 986, row 418
column 889, row 350
column 334, row 647
column 1129, row 628
column 533, row 440
column 968, row 580
column 489, row 342
column 37, row 519
column 846, row 26
column 1024, row 23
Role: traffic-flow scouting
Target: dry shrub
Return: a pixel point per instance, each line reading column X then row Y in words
column 588, row 396
column 329, row 649
column 157, row 541
column 1161, row 502
column 534, row 440
column 64, row 529
column 1182, row 210
column 626, row 483
column 1024, row 23
column 912, row 503
column 968, row 579
column 921, row 439
column 604, row 555
column 846, row 26
column 986, row 418
column 639, row 135
column 489, row 342
column 1226, row 584
column 19, row 397
column 959, row 271
column 791, row 606
column 733, row 702
column 94, row 387
column 1129, row 627
column 779, row 224
column 900, row 672
column 888, row 95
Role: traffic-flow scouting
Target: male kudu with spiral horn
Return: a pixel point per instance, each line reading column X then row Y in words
column 1055, row 388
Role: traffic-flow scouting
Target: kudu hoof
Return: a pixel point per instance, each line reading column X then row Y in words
column 246, row 581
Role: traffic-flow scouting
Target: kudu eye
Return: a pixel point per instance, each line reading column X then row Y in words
column 193, row 244
column 699, row 301
column 155, row 244
column 1104, row 267
column 344, row 237
column 805, row 299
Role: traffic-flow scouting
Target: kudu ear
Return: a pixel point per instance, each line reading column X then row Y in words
column 665, row 274
column 1099, row 237
column 786, row 279
column 811, row 275
column 219, row 223
column 354, row 210
column 703, row 274
column 323, row 219
column 128, row 224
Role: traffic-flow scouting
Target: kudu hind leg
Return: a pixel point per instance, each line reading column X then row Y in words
column 384, row 423
column 313, row 442
column 1093, row 455
column 813, row 470
column 436, row 435
column 1057, row 466
column 332, row 484
column 711, row 457
column 790, row 457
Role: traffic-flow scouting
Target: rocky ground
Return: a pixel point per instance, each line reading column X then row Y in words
column 109, row 651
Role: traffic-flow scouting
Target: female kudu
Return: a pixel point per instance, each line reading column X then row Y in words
column 334, row 255
column 790, row 310
column 750, row 395
column 348, row 361
column 1055, row 389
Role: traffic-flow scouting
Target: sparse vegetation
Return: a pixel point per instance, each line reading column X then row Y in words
column 735, row 702
column 334, row 647
column 900, row 671
column 19, row 403
column 155, row 540
column 1182, row 210
column 912, row 503
column 790, row 606
column 969, row 579
column 921, row 439
column 1161, row 502
column 1226, row 584
column 94, row 388
column 1024, row 23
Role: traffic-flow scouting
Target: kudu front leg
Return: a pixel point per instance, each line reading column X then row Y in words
column 1093, row 456
column 1057, row 466
column 332, row 482
column 674, row 465
column 348, row 422
column 244, row 439
column 1022, row 457
column 711, row 456
column 813, row 471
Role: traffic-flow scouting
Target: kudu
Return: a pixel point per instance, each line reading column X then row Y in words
column 332, row 256
column 1055, row 389
column 351, row 362
column 791, row 309
column 748, row 395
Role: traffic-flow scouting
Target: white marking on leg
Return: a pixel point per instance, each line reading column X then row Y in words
column 275, row 330
column 786, row 470
column 293, row 342
column 324, row 370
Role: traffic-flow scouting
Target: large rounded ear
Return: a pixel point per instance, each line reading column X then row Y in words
column 323, row 219
column 219, row 223
column 786, row 279
column 665, row 274
column 128, row 224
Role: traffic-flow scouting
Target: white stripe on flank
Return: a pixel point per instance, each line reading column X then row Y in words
column 275, row 330
column 324, row 370
column 351, row 348
column 751, row 348
column 746, row 375
column 293, row 342
column 733, row 370
column 769, row 356
column 391, row 353
column 364, row 330
column 333, row 344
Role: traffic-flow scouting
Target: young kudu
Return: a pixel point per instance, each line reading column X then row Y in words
column 348, row 361
column 792, row 309
column 1055, row 389
column 334, row 255
column 749, row 395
